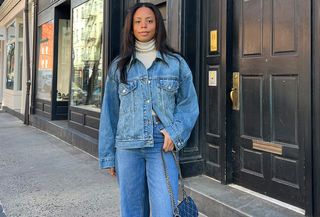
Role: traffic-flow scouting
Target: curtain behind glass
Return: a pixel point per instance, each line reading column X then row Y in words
column 64, row 60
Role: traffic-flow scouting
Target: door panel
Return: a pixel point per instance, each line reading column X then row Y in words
column 251, row 101
column 213, row 102
column 270, row 129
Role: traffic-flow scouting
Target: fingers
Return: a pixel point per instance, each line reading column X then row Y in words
column 111, row 171
column 168, row 144
column 169, row 147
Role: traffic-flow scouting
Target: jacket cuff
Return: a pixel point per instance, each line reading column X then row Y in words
column 175, row 137
column 107, row 162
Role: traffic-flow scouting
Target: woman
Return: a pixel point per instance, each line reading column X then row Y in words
column 149, row 105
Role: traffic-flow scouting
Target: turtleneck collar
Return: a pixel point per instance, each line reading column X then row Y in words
column 145, row 46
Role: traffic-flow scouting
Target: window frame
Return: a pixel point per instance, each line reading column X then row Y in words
column 18, row 69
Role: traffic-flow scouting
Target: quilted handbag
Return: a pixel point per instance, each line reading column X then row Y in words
column 187, row 207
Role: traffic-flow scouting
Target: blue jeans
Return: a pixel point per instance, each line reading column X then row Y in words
column 142, row 181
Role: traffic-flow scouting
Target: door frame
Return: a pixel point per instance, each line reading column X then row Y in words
column 217, row 61
column 59, row 109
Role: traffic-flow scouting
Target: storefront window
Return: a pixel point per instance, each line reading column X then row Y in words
column 10, row 66
column 45, row 63
column 87, row 55
column 14, row 57
column 64, row 60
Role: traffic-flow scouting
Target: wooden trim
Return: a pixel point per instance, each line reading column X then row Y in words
column 190, row 156
column 45, row 16
column 44, row 4
column 60, row 12
column 229, row 77
column 156, row 2
column 316, row 108
column 222, row 43
column 308, row 116
column 174, row 23
column 34, row 57
column 6, row 8
column 76, row 3
column 84, row 111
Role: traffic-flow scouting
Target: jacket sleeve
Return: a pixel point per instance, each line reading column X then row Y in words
column 187, row 109
column 108, row 121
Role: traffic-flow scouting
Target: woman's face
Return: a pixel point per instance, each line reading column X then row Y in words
column 144, row 24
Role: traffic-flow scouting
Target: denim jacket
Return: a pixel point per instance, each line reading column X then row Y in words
column 126, row 114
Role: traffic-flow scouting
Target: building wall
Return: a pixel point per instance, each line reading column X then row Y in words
column 12, row 10
column 1, row 69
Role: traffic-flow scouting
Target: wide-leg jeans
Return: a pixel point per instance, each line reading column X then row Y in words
column 142, row 181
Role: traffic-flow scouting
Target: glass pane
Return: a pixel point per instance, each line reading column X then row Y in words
column 10, row 66
column 45, row 61
column 64, row 60
column 20, row 60
column 20, row 30
column 11, row 31
column 87, row 56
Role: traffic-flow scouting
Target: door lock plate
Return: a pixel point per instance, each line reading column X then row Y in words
column 235, row 91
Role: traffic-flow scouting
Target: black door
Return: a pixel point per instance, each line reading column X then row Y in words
column 271, row 127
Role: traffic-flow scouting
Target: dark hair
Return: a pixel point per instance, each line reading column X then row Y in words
column 128, row 39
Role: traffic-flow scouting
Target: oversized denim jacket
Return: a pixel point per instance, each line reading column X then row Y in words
column 126, row 114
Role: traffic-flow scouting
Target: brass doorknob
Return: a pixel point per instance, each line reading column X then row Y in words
column 234, row 95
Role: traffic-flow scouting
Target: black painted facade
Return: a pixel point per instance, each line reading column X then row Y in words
column 279, row 90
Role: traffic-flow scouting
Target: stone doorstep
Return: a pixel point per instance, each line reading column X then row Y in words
column 216, row 200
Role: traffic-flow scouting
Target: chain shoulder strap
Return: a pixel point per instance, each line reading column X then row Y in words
column 173, row 203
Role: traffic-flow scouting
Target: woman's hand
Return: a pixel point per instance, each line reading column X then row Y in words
column 111, row 171
column 168, row 144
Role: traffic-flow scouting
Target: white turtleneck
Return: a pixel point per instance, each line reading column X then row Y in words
column 146, row 52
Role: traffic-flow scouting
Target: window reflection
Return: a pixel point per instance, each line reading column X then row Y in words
column 10, row 66
column 44, row 75
column 11, row 31
column 87, row 53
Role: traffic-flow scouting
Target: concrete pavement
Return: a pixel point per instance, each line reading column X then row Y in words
column 41, row 175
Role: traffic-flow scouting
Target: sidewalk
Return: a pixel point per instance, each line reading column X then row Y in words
column 41, row 175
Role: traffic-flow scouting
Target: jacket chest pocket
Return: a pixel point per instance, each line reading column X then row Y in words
column 127, row 96
column 168, row 88
column 169, row 85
